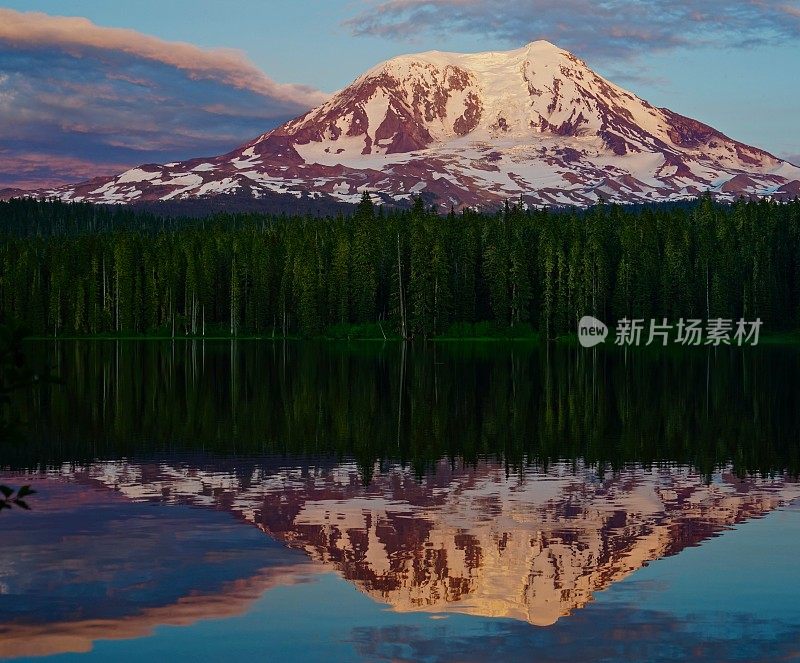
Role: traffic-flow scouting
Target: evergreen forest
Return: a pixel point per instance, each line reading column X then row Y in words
column 73, row 269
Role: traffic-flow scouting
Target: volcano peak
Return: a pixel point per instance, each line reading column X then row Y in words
column 474, row 129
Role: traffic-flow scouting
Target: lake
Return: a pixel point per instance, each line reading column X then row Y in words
column 404, row 502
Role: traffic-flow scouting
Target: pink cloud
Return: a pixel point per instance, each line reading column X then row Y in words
column 37, row 170
column 71, row 33
column 78, row 100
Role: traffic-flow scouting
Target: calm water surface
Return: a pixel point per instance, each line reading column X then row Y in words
column 429, row 503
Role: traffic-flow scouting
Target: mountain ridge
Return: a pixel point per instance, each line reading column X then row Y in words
column 534, row 124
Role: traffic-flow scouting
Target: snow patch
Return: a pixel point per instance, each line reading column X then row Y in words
column 137, row 175
column 185, row 179
column 225, row 185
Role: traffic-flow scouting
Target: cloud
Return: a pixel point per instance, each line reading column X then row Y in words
column 76, row 34
column 35, row 170
column 79, row 100
column 607, row 30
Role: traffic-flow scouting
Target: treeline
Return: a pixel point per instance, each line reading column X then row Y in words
column 78, row 269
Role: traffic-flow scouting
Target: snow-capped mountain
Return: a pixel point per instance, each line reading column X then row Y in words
column 534, row 123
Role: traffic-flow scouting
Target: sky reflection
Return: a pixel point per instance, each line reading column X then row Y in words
column 125, row 559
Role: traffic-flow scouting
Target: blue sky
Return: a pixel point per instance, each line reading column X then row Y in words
column 75, row 102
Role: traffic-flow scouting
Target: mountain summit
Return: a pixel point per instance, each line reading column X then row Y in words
column 535, row 123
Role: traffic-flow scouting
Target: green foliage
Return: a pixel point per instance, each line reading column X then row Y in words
column 75, row 269
column 490, row 329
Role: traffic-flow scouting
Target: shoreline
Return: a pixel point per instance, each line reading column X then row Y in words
column 777, row 338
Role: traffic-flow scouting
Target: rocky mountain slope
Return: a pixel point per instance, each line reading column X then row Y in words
column 535, row 124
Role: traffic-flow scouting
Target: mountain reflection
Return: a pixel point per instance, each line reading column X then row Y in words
column 532, row 546
column 181, row 481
